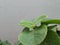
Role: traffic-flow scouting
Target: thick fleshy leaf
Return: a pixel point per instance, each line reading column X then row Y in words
column 33, row 37
column 39, row 19
column 51, row 39
column 26, row 23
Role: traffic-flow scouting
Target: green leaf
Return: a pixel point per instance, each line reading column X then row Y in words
column 33, row 37
column 32, row 24
column 1, row 42
column 51, row 39
column 51, row 21
column 6, row 43
column 18, row 43
column 39, row 19
column 27, row 24
column 43, row 43
column 53, row 27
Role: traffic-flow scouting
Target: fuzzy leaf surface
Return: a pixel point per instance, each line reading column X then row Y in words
column 34, row 37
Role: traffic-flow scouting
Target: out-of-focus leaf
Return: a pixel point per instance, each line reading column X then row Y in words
column 6, row 43
column 58, row 32
column 1, row 42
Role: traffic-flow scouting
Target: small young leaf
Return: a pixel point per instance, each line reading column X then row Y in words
column 34, row 37
column 27, row 24
column 32, row 24
column 39, row 19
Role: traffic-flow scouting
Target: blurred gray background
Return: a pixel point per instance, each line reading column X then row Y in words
column 13, row 11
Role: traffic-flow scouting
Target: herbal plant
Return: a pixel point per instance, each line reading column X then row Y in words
column 43, row 34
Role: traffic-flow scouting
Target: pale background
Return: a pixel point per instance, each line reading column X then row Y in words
column 13, row 11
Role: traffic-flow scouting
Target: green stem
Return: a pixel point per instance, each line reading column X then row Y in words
column 51, row 21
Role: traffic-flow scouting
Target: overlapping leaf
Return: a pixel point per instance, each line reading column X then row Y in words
column 53, row 27
column 26, row 23
column 31, row 24
column 52, row 38
column 33, row 37
column 38, row 34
